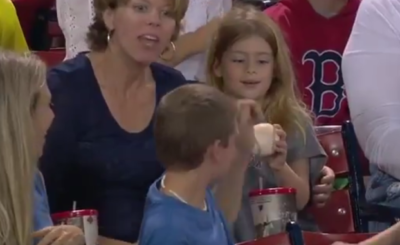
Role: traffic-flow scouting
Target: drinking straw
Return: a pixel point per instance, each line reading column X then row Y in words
column 73, row 205
column 260, row 183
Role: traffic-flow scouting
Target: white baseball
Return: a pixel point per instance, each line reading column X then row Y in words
column 266, row 139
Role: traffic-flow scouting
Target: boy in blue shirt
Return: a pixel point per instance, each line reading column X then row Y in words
column 199, row 133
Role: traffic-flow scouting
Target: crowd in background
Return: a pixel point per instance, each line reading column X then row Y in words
column 305, row 63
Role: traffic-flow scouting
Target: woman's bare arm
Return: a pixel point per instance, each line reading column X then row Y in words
column 190, row 44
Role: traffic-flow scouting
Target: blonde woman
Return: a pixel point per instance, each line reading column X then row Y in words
column 25, row 117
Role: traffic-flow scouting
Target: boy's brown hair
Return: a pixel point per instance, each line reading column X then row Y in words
column 188, row 120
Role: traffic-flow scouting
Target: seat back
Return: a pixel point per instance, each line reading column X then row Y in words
column 337, row 215
column 315, row 238
column 330, row 138
column 312, row 238
column 54, row 32
column 52, row 57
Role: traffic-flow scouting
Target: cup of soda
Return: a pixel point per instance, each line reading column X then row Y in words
column 86, row 219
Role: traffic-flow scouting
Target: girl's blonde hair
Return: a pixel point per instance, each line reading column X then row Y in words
column 281, row 103
column 21, row 77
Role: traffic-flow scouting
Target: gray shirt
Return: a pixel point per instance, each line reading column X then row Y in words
column 299, row 147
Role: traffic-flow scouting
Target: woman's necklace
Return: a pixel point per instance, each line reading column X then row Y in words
column 176, row 195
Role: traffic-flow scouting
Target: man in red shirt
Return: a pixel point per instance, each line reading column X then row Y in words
column 317, row 33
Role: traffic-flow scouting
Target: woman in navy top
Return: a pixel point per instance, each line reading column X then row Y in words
column 99, row 150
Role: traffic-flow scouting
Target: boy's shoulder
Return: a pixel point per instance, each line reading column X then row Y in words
column 161, row 226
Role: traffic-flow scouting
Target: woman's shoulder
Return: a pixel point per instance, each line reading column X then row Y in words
column 167, row 76
column 70, row 75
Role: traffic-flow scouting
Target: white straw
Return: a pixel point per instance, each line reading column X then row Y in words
column 73, row 205
column 260, row 183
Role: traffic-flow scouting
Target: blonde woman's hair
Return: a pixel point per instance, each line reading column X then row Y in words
column 281, row 103
column 20, row 79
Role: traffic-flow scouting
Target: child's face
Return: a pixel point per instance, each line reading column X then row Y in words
column 247, row 68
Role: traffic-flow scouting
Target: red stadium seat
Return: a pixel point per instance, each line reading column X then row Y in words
column 52, row 57
column 314, row 238
column 311, row 238
column 330, row 138
column 337, row 215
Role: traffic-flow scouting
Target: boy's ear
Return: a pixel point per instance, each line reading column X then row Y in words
column 214, row 151
column 217, row 69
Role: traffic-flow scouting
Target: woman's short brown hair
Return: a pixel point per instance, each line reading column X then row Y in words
column 97, row 35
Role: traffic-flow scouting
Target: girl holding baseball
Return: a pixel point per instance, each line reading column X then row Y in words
column 248, row 59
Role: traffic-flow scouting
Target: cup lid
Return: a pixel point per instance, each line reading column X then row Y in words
column 271, row 191
column 74, row 213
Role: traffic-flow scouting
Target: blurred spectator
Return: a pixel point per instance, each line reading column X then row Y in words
column 11, row 35
column 201, row 20
column 74, row 18
column 259, row 4
column 317, row 32
column 33, row 17
column 372, row 78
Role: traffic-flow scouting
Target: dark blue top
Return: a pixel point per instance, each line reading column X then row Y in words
column 167, row 220
column 89, row 158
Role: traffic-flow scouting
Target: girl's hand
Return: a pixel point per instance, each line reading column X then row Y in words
column 60, row 235
column 322, row 190
column 278, row 160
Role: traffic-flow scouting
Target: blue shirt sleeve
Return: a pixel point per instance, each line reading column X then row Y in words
column 41, row 213
column 155, row 232
column 57, row 161
column 227, row 230
column 227, row 227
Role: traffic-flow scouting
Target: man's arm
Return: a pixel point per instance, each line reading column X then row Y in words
column 193, row 42
column 371, row 72
column 187, row 45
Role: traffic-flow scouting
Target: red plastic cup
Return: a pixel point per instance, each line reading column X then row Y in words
column 272, row 209
column 86, row 219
